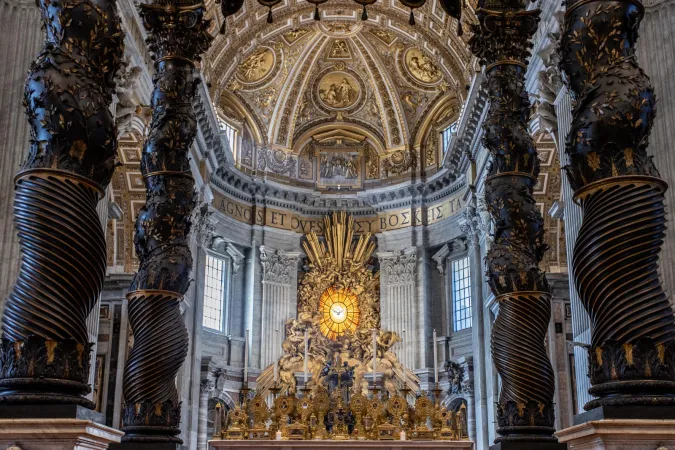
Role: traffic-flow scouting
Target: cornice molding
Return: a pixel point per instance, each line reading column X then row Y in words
column 257, row 191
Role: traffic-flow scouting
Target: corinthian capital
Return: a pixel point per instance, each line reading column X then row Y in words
column 278, row 266
column 400, row 266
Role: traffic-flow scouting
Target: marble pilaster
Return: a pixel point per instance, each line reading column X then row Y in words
column 398, row 302
column 656, row 54
column 558, row 350
column 205, row 390
column 253, row 297
column 572, row 217
column 474, row 227
column 279, row 299
column 191, row 373
column 94, row 318
column 21, row 36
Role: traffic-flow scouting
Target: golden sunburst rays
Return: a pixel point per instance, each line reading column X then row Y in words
column 340, row 312
column 339, row 247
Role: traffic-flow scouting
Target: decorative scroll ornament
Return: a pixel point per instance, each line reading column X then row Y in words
column 340, row 264
column 632, row 352
column 45, row 353
column 177, row 37
column 501, row 41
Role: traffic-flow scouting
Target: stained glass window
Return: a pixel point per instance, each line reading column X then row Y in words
column 340, row 312
column 214, row 291
column 461, row 294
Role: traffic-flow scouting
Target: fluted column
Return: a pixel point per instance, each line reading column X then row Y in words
column 177, row 37
column 581, row 327
column 473, row 228
column 44, row 357
column 205, row 390
column 398, row 302
column 21, row 36
column 279, row 299
column 502, row 41
column 622, row 196
column 655, row 52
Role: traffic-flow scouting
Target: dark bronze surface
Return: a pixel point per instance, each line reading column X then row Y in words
column 632, row 351
column 525, row 411
column 44, row 356
column 177, row 37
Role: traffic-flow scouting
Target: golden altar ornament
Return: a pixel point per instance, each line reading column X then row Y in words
column 339, row 307
column 235, row 426
column 259, row 412
column 339, row 313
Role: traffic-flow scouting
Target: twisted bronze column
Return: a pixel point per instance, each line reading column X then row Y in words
column 525, row 410
column 177, row 37
column 632, row 350
column 45, row 351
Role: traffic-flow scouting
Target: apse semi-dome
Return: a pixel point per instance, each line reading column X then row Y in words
column 338, row 104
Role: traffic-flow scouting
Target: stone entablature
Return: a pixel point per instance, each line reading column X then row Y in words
column 409, row 212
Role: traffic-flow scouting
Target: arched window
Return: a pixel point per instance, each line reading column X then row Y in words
column 231, row 133
column 446, row 136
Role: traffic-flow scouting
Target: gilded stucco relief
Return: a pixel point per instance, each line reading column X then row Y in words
column 340, row 73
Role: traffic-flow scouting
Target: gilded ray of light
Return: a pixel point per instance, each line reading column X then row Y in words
column 340, row 312
column 338, row 307
column 339, row 247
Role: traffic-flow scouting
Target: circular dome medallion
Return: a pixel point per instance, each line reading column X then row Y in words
column 398, row 157
column 339, row 90
column 421, row 67
column 257, row 66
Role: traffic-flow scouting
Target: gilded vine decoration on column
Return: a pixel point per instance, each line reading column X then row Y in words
column 45, row 352
column 502, row 41
column 632, row 350
column 177, row 37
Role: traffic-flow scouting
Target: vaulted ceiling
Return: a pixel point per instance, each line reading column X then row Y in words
column 385, row 81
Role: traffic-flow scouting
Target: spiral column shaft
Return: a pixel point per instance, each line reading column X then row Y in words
column 177, row 37
column 615, row 261
column 525, row 409
column 44, row 355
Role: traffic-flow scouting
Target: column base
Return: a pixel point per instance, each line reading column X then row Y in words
column 147, row 446
column 619, row 434
column 56, row 434
column 50, row 411
column 654, row 412
column 513, row 445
